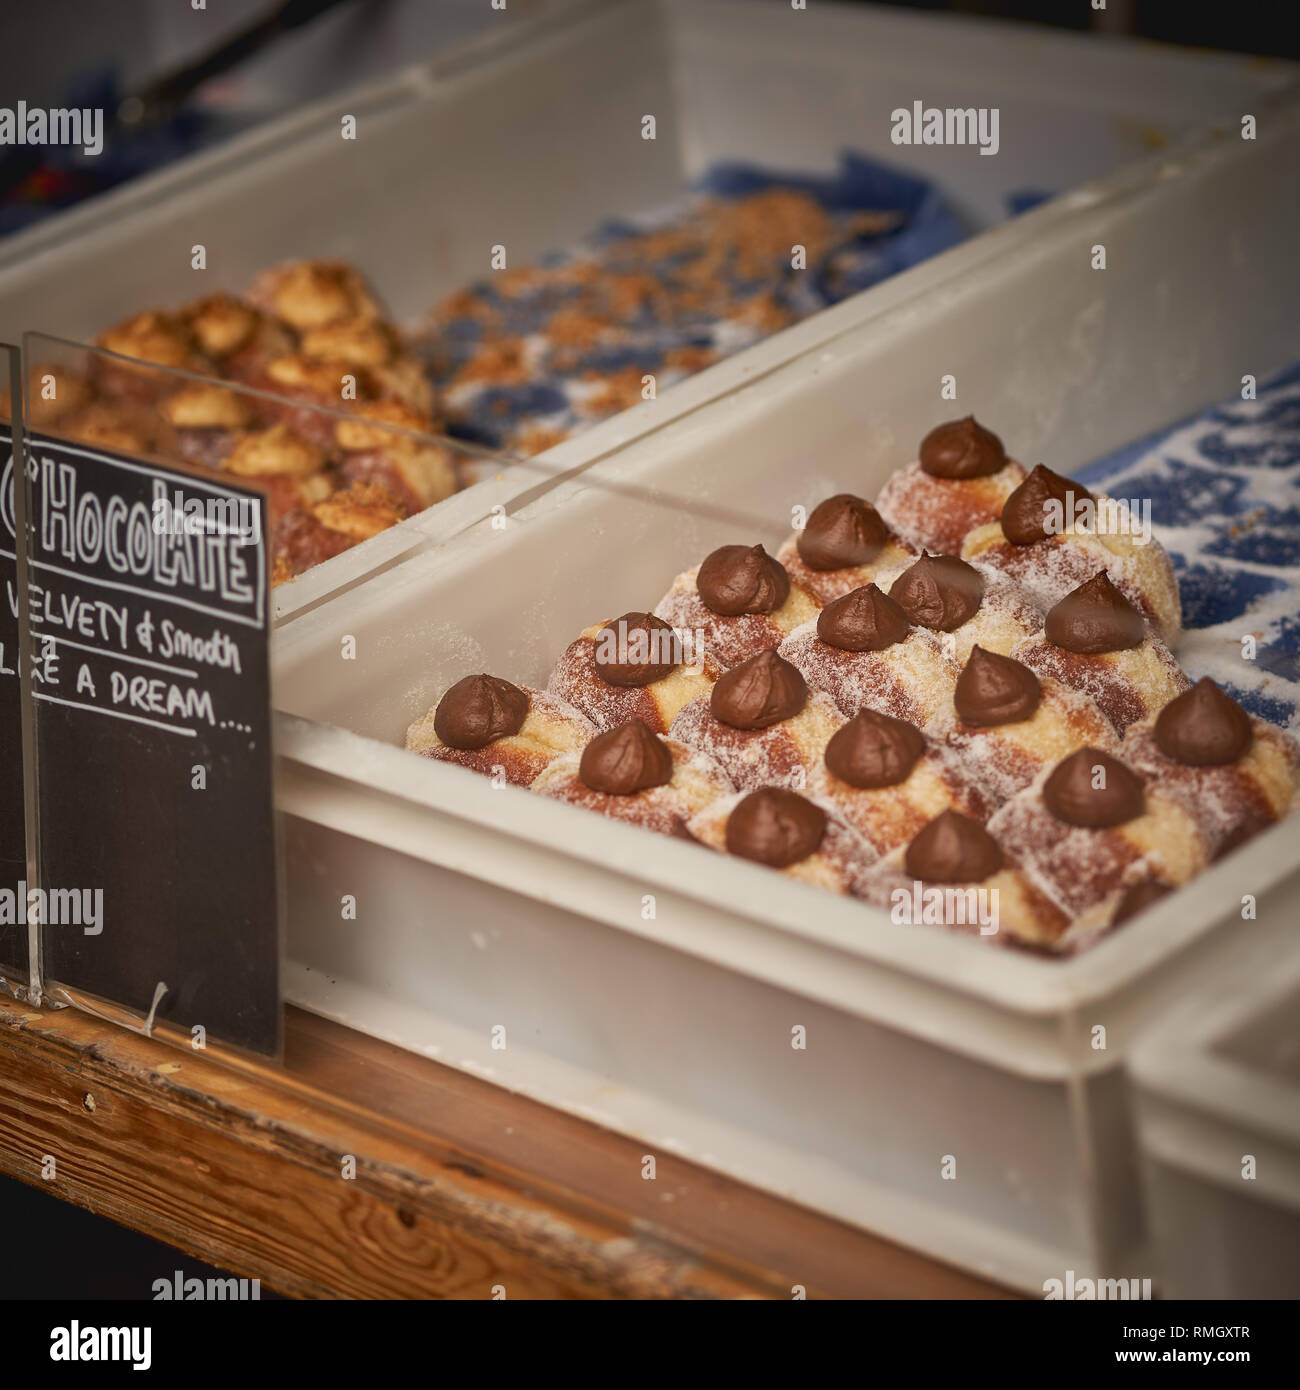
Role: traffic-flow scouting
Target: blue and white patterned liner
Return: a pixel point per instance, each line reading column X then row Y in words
column 553, row 399
column 1225, row 503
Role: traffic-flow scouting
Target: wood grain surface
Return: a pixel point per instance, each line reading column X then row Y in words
column 460, row 1189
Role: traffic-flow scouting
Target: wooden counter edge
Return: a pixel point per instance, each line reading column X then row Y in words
column 244, row 1165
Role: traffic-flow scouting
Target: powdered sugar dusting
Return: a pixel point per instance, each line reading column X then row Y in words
column 1079, row 866
column 1007, row 757
column 1007, row 614
column 911, row 680
column 937, row 513
column 1126, row 685
column 1027, row 917
column 731, row 640
column 1049, row 569
column 550, row 729
column 839, row 864
column 887, row 817
column 577, row 680
column 1229, row 803
column 828, row 585
column 784, row 755
column 697, row 781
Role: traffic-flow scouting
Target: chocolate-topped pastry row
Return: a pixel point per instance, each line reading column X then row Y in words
column 1054, row 534
column 1091, row 836
column 869, row 708
column 979, row 883
column 964, row 496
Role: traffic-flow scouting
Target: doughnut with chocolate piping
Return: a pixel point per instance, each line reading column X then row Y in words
column 492, row 727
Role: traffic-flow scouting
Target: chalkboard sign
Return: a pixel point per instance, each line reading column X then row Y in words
column 13, row 852
column 148, row 623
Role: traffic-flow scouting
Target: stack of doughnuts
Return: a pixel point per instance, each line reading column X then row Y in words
column 968, row 687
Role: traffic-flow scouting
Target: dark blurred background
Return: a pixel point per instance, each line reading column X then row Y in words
column 287, row 52
column 1250, row 26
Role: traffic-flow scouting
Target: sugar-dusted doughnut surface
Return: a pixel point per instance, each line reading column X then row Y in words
column 939, row 513
column 670, row 677
column 548, row 728
column 990, row 611
column 729, row 639
column 804, row 840
column 784, row 754
column 889, row 816
column 1092, row 865
column 1006, row 724
column 1050, row 568
column 843, row 546
column 912, row 679
column 1230, row 799
column 695, row 782
column 953, row 872
column 1126, row 685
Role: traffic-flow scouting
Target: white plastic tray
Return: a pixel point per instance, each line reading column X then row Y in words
column 530, row 135
column 479, row 908
column 1218, row 1109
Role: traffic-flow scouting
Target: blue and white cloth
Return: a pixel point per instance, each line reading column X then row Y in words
column 881, row 221
column 1225, row 503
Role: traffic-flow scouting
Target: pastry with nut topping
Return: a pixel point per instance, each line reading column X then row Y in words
column 207, row 421
column 310, row 295
column 291, row 467
column 326, row 521
column 140, row 345
column 234, row 335
column 311, row 396
column 116, row 424
column 381, row 444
